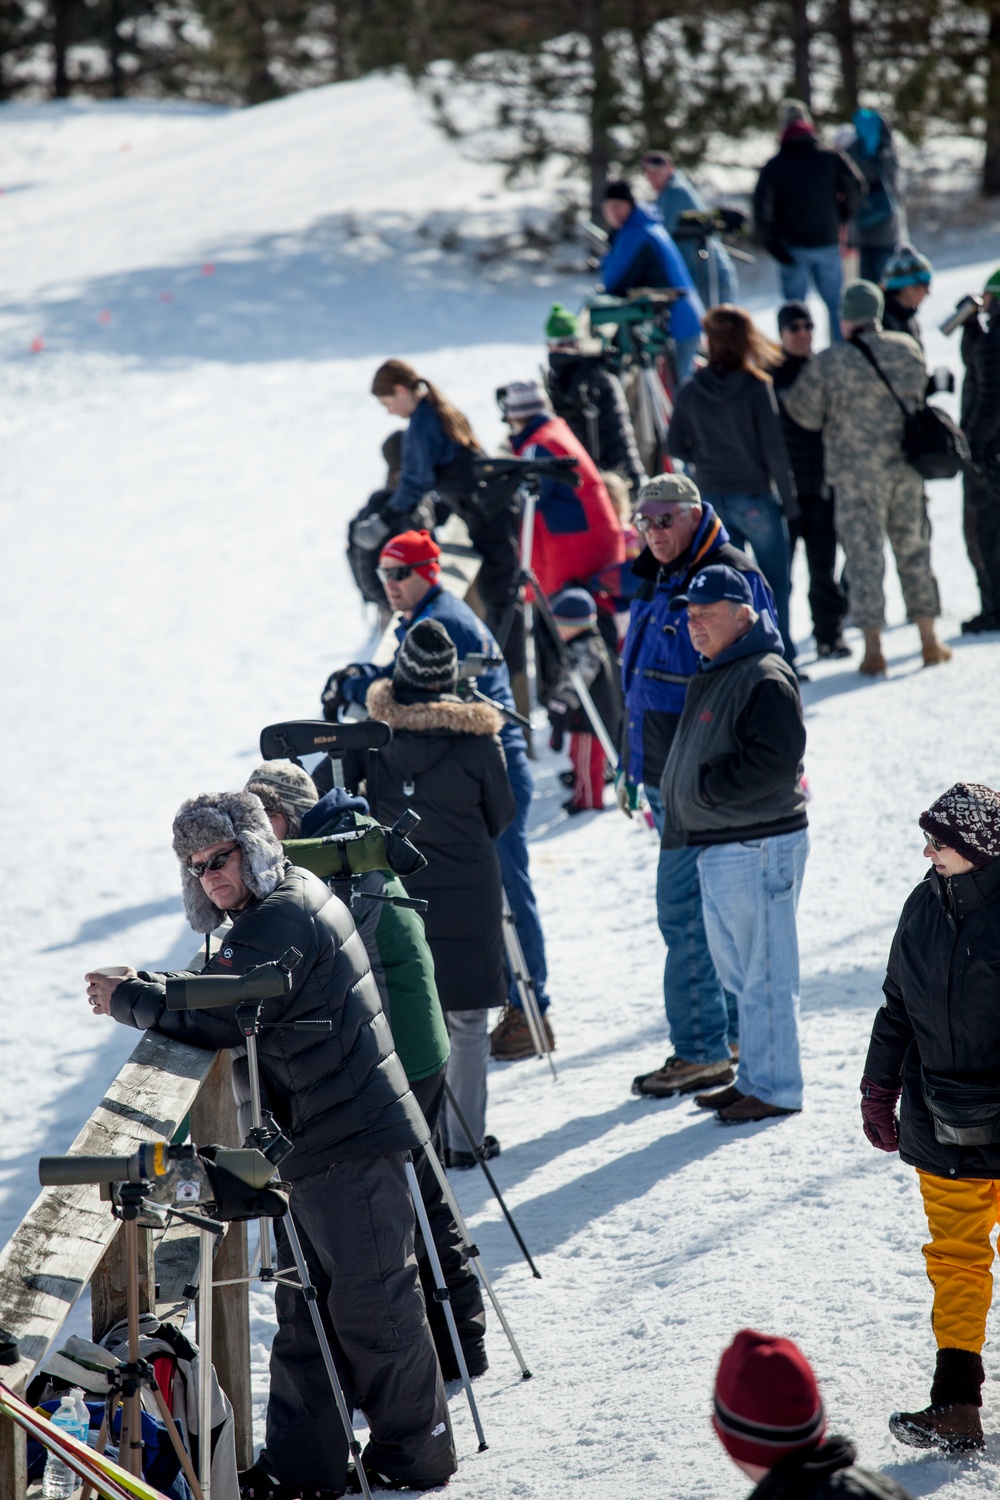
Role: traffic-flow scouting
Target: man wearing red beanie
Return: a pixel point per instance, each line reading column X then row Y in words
column 769, row 1418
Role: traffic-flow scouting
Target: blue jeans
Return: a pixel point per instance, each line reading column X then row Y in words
column 686, row 351
column 750, row 893
column 759, row 520
column 822, row 263
column 701, row 1017
column 512, row 849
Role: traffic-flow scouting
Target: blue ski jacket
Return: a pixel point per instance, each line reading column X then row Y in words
column 658, row 659
column 427, row 448
column 644, row 254
column 470, row 636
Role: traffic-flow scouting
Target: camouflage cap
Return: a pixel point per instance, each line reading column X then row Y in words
column 664, row 490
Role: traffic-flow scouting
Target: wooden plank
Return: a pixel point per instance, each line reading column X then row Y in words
column 108, row 1297
column 59, row 1244
column 213, row 1123
column 13, row 1461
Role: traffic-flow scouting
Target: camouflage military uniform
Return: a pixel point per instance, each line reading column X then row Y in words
column 877, row 493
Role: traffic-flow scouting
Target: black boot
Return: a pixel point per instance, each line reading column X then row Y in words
column 951, row 1422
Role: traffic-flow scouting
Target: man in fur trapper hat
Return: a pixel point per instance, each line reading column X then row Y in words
column 343, row 1099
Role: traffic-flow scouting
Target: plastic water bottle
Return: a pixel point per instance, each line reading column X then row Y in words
column 59, row 1481
column 83, row 1416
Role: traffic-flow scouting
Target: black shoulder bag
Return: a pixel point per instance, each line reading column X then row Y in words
column 933, row 444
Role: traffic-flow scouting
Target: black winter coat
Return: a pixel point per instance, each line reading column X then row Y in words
column 981, row 389
column 338, row 1095
column 899, row 319
column 727, row 428
column 589, row 398
column 803, row 195
column 805, row 448
column 826, row 1473
column 942, row 1011
column 446, row 762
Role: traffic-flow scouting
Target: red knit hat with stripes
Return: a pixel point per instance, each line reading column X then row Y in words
column 413, row 549
column 767, row 1402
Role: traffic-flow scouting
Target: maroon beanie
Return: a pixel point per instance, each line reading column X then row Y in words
column 767, row 1403
column 966, row 818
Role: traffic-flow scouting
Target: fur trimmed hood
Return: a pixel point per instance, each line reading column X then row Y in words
column 224, row 817
column 445, row 713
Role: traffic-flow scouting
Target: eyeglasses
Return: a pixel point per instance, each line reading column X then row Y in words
column 800, row 327
column 657, row 523
column 935, row 844
column 393, row 575
column 202, row 866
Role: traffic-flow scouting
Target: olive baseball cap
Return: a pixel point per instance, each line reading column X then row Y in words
column 659, row 494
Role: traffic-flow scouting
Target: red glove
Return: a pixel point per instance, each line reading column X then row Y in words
column 878, row 1114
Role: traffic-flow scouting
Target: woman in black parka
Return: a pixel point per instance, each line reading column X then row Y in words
column 936, row 1040
column 446, row 762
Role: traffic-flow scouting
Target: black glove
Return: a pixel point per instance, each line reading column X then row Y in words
column 332, row 697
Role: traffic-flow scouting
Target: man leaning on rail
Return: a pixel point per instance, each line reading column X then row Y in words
column 343, row 1099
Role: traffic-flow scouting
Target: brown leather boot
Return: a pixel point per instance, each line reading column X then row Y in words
column 872, row 664
column 932, row 650
column 953, row 1429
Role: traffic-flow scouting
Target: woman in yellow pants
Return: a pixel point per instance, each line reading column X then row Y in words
column 936, row 1041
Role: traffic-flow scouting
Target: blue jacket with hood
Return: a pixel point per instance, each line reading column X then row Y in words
column 658, row 659
column 644, row 254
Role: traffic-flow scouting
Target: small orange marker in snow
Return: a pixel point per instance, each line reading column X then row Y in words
column 208, row 269
column 37, row 344
column 166, row 296
column 104, row 316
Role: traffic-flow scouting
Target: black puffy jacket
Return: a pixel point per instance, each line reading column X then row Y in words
column 337, row 1095
column 805, row 448
column 590, row 399
column 804, row 194
column 446, row 762
column 981, row 389
column 942, row 1010
column 826, row 1473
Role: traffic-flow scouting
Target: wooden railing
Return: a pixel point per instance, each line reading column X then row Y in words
column 69, row 1239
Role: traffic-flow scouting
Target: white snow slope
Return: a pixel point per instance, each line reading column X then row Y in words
column 213, row 291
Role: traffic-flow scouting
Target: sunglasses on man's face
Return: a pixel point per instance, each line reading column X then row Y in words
column 934, row 843
column 658, row 523
column 202, row 866
column 800, row 327
column 393, row 575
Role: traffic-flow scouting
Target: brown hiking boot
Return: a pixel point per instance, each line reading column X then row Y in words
column 719, row 1100
column 680, row 1077
column 953, row 1429
column 873, row 663
column 510, row 1039
column 931, row 649
column 749, row 1109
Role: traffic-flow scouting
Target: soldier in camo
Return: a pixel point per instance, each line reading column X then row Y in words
column 878, row 494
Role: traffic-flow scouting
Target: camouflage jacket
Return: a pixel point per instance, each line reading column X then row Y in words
column 840, row 394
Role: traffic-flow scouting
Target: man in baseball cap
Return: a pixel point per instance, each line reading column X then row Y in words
column 683, row 536
column 732, row 791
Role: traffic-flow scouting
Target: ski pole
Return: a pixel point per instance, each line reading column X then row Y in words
column 477, row 1152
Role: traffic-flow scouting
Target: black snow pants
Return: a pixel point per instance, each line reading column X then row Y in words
column 459, row 1277
column 981, row 524
column 827, row 601
column 356, row 1224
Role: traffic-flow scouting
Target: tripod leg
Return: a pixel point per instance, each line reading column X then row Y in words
column 525, row 986
column 444, row 1297
column 99, row 1447
column 207, row 1248
column 184, row 1457
column 478, row 1154
column 309, row 1292
column 473, row 1252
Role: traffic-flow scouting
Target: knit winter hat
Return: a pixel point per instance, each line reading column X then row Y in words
column 225, row 817
column 792, row 111
column 574, row 607
column 906, row 267
column 658, row 494
column 792, row 312
column 427, row 661
column 862, row 302
column 993, row 285
column 562, row 324
column 767, row 1403
column 618, row 188
column 413, row 549
column 286, row 788
column 524, row 398
column 967, row 818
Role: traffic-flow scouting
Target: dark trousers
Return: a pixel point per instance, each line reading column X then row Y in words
column 356, row 1224
column 981, row 524
column 827, row 600
column 498, row 544
column 460, row 1279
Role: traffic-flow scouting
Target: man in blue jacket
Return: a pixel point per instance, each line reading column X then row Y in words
column 675, row 195
column 411, row 575
column 683, row 535
column 644, row 255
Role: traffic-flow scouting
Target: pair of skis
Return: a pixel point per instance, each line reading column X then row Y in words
column 100, row 1473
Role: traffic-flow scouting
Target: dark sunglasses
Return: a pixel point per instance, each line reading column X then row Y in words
column 657, row 523
column 934, row 843
column 799, row 326
column 393, row 575
column 202, row 866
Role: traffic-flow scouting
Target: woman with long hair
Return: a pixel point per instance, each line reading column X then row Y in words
column 727, row 430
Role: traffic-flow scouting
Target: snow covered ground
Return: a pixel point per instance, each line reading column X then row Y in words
column 179, row 459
